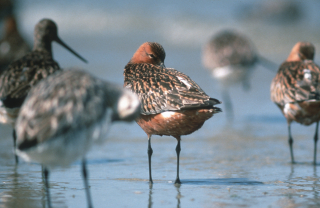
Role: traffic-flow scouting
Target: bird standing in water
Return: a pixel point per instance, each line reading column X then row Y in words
column 296, row 90
column 231, row 57
column 172, row 104
column 65, row 114
column 21, row 75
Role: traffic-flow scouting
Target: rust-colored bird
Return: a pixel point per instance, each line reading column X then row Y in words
column 21, row 75
column 231, row 58
column 296, row 90
column 172, row 104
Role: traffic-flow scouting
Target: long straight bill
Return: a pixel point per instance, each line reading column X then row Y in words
column 58, row 40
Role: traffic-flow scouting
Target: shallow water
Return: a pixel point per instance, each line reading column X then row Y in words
column 232, row 169
column 243, row 164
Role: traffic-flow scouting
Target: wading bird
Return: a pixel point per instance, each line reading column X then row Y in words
column 65, row 114
column 21, row 75
column 231, row 57
column 172, row 104
column 296, row 90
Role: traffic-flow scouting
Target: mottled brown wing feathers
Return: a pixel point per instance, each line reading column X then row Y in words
column 21, row 75
column 296, row 81
column 162, row 89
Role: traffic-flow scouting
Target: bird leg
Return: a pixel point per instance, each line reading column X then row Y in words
column 150, row 151
column 43, row 168
column 315, row 145
column 228, row 105
column 290, row 143
column 46, row 180
column 178, row 149
column 85, row 180
column 15, row 145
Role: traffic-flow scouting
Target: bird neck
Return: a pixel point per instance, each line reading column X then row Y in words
column 42, row 45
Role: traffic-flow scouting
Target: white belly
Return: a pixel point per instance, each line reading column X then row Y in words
column 63, row 150
column 231, row 74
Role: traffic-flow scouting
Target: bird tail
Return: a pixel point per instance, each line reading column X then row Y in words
column 213, row 102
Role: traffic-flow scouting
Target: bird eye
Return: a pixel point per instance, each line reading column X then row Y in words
column 151, row 56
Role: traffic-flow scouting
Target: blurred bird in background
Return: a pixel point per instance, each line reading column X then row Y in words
column 12, row 45
column 231, row 57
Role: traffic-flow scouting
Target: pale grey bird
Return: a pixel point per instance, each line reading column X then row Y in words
column 231, row 57
column 22, row 74
column 65, row 114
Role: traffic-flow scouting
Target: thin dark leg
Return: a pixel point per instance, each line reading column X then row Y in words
column 178, row 149
column 228, row 105
column 85, row 180
column 42, row 172
column 315, row 145
column 290, row 143
column 15, row 145
column 150, row 151
column 46, row 180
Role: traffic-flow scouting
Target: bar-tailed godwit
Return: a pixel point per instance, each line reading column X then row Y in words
column 65, row 114
column 17, row 80
column 172, row 104
column 296, row 90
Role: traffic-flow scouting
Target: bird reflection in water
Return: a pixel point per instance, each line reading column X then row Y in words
column 178, row 196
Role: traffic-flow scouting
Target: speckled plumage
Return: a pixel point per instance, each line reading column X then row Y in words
column 297, row 82
column 21, row 75
column 65, row 102
column 24, row 73
column 65, row 114
column 296, row 87
column 169, row 99
column 164, row 89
